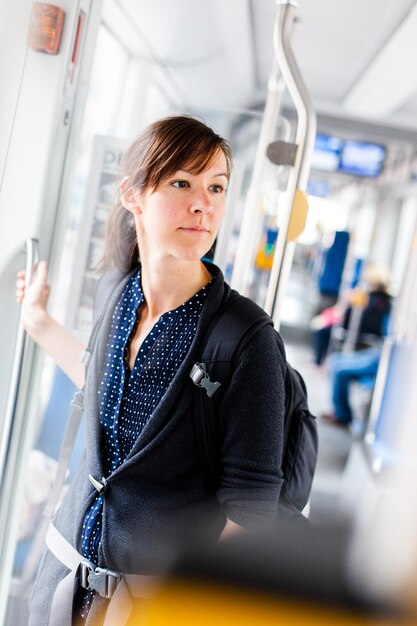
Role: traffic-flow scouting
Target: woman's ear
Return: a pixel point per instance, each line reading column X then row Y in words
column 129, row 196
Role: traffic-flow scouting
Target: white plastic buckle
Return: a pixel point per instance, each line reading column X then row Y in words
column 201, row 379
column 100, row 485
column 103, row 581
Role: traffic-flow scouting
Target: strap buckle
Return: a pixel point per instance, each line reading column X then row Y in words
column 78, row 399
column 103, row 581
column 100, row 485
column 200, row 378
column 85, row 357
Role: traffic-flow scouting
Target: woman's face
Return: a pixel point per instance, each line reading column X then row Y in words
column 181, row 217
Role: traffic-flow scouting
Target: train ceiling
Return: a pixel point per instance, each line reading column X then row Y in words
column 357, row 57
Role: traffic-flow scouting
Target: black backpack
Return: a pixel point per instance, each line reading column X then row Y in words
column 231, row 329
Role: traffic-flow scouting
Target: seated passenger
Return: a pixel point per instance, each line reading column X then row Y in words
column 375, row 305
column 346, row 367
column 375, row 311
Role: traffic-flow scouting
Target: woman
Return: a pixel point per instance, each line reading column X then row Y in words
column 141, row 443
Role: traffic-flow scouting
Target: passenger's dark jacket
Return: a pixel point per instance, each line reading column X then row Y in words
column 374, row 314
column 159, row 499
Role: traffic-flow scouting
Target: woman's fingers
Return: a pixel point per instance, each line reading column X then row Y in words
column 20, row 287
column 38, row 289
column 41, row 275
column 39, row 279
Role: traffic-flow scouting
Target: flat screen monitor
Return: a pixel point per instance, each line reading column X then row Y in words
column 358, row 158
column 362, row 159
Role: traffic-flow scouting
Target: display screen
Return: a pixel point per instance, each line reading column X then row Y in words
column 359, row 158
column 362, row 159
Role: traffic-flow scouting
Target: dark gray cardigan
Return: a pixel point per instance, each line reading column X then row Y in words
column 160, row 500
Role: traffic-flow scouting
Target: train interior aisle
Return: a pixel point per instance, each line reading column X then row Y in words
column 319, row 102
column 335, row 443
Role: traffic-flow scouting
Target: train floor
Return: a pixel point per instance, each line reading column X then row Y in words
column 334, row 442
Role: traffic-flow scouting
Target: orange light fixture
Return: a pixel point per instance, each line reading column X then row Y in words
column 45, row 28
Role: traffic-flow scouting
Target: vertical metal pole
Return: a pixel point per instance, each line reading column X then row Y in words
column 247, row 238
column 32, row 256
column 15, row 440
column 305, row 136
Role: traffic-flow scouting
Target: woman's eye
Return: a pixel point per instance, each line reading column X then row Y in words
column 180, row 184
column 218, row 188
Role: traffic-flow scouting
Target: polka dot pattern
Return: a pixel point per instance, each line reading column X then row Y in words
column 127, row 399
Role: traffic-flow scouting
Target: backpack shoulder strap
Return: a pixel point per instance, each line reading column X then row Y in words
column 231, row 329
column 233, row 326
column 105, row 287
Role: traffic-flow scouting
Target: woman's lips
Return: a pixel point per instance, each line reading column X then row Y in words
column 195, row 230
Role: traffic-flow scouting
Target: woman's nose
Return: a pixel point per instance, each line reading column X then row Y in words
column 201, row 203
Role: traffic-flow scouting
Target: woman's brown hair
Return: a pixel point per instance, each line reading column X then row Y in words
column 161, row 149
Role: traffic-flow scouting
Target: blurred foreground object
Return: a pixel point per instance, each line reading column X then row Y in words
column 295, row 574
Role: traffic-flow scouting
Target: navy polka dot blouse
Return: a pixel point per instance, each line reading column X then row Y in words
column 129, row 398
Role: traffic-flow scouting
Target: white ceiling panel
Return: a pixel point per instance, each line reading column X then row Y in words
column 334, row 42
column 218, row 53
column 208, row 46
column 390, row 79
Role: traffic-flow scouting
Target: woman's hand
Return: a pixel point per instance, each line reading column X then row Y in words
column 65, row 349
column 33, row 298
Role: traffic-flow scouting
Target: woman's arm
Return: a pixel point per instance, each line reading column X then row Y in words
column 251, row 431
column 53, row 338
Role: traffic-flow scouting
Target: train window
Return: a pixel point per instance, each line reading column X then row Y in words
column 107, row 81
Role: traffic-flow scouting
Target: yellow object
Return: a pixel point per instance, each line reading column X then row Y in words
column 264, row 260
column 358, row 299
column 298, row 215
column 195, row 604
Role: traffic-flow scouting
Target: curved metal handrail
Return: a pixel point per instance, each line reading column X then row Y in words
column 305, row 136
column 32, row 258
column 306, row 127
